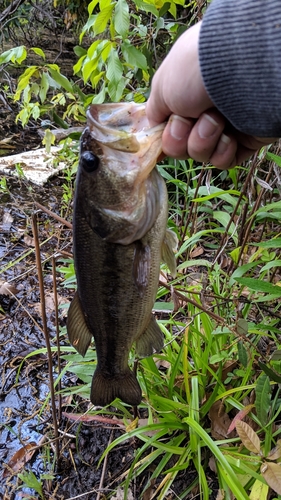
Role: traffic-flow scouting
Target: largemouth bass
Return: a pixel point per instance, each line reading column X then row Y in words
column 119, row 232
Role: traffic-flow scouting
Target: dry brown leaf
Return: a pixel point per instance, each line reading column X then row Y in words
column 271, row 472
column 120, row 495
column 240, row 416
column 20, row 458
column 275, row 453
column 6, row 140
column 7, row 221
column 220, row 421
column 50, row 303
column 196, row 252
column 28, row 240
column 162, row 363
column 225, row 261
column 228, row 366
column 248, row 436
column 212, row 464
column 143, row 422
column 220, row 495
column 7, row 288
column 148, row 494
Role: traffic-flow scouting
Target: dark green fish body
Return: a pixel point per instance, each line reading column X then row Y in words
column 119, row 226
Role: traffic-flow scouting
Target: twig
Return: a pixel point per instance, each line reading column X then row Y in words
column 242, row 193
column 193, row 302
column 52, row 214
column 57, row 333
column 46, row 333
column 14, row 5
column 250, row 219
column 104, row 468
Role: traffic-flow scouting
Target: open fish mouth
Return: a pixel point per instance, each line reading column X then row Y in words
column 122, row 126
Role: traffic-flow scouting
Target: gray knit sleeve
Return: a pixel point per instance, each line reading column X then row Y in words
column 240, row 60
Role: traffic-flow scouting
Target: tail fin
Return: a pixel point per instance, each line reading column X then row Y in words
column 124, row 386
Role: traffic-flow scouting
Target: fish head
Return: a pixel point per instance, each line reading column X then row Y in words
column 117, row 190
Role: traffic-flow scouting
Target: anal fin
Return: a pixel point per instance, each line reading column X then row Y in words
column 78, row 332
column 151, row 340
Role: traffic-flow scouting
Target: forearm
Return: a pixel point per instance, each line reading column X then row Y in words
column 240, row 60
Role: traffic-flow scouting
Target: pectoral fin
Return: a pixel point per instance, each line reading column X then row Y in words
column 141, row 266
column 169, row 246
column 151, row 340
column 78, row 332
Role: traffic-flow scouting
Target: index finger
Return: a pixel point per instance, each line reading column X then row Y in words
column 156, row 109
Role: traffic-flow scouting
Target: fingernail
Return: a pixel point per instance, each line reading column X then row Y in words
column 223, row 144
column 207, row 126
column 179, row 127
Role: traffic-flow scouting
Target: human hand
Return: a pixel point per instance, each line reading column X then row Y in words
column 195, row 127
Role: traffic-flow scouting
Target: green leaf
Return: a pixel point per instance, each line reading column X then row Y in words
column 275, row 158
column 147, row 7
column 16, row 55
column 242, row 354
column 115, row 89
column 77, row 67
column 263, row 398
column 48, row 140
column 102, row 19
column 61, row 80
column 92, row 5
column 133, row 56
column 30, row 480
column 79, row 51
column 44, row 86
column 122, row 18
column 89, row 69
column 114, row 67
column 276, row 355
column 24, row 79
column 100, row 97
column 229, row 474
column 274, row 243
column 224, row 218
column 270, row 265
column 272, row 374
column 271, row 206
column 238, row 273
column 242, row 326
column 216, row 193
column 89, row 24
column 260, row 286
column 39, row 52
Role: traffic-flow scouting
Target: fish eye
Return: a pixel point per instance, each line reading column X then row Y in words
column 90, row 162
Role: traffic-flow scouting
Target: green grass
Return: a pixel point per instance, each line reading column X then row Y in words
column 221, row 319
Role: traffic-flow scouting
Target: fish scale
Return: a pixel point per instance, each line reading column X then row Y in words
column 116, row 282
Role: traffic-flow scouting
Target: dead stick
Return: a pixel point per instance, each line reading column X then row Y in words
column 52, row 214
column 194, row 303
column 104, row 468
column 45, row 329
column 57, row 333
